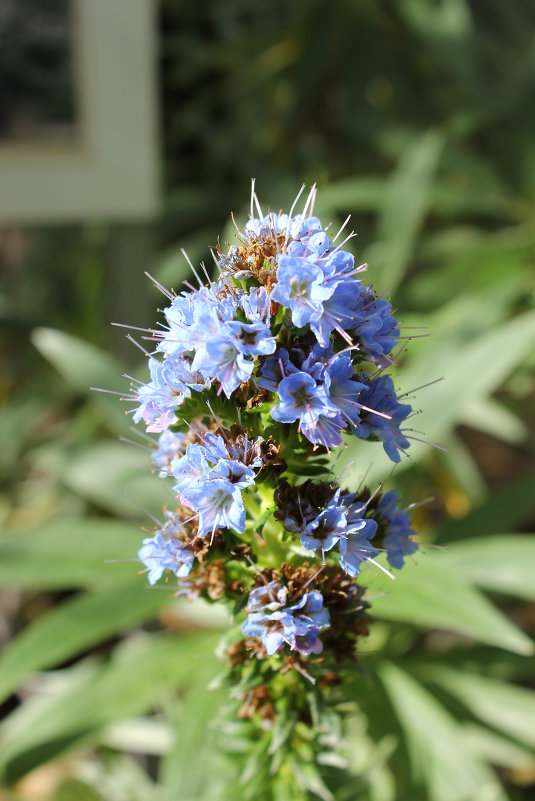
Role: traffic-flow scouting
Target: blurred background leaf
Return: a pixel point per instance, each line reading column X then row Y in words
column 418, row 119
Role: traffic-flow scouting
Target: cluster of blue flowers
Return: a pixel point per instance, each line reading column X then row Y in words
column 321, row 392
column 340, row 522
column 274, row 623
column 213, row 333
column 210, row 478
column 166, row 550
column 287, row 333
column 397, row 540
column 216, row 334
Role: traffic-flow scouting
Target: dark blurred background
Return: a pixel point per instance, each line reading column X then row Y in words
column 417, row 117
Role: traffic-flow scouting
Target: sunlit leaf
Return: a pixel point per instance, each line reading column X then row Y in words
column 84, row 366
column 431, row 593
column 501, row 563
column 506, row 509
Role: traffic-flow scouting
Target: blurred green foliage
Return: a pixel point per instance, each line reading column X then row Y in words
column 418, row 118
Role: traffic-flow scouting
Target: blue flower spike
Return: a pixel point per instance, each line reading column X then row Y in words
column 280, row 357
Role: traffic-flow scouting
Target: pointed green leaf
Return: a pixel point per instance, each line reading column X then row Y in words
column 501, row 563
column 74, row 626
column 83, row 366
column 440, row 758
column 505, row 510
column 130, row 685
column 431, row 593
column 405, row 206
column 70, row 553
column 507, row 708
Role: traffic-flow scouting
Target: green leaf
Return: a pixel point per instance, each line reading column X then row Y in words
column 498, row 750
column 405, row 205
column 80, row 363
column 440, row 758
column 140, row 672
column 463, row 468
column 115, row 477
column 507, row 708
column 501, row 563
column 183, row 772
column 76, row 625
column 471, row 372
column 494, row 419
column 84, row 366
column 433, row 594
column 69, row 553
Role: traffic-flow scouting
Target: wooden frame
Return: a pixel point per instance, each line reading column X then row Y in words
column 110, row 170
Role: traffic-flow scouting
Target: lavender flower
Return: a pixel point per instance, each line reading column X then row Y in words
column 220, row 357
column 327, row 528
column 298, row 625
column 159, row 399
column 375, row 326
column 300, row 398
column 210, row 482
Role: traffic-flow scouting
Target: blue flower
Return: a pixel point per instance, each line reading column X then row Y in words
column 160, row 553
column 326, row 529
column 252, row 339
column 337, row 264
column 273, row 629
column 343, row 388
column 275, row 369
column 325, row 430
column 338, row 310
column 235, row 472
column 375, row 326
column 397, row 540
column 383, row 415
column 271, row 596
column 257, row 305
column 310, row 617
column 298, row 227
column 356, row 548
column 218, row 503
column 158, row 399
column 210, row 478
column 220, row 357
column 342, row 521
column 191, row 468
column 300, row 398
column 317, row 361
column 215, row 447
column 196, row 317
column 171, row 445
column 299, row 288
